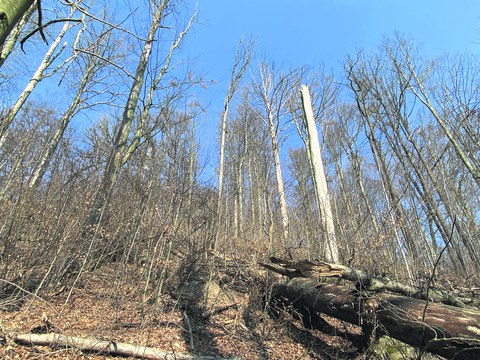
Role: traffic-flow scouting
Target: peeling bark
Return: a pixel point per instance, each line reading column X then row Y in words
column 365, row 281
column 437, row 328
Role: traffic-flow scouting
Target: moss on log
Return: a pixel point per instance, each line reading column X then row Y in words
column 441, row 329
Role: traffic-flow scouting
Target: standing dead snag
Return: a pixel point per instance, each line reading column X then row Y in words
column 438, row 328
column 318, row 177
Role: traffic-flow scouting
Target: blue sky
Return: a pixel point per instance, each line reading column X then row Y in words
column 313, row 32
column 306, row 32
column 303, row 32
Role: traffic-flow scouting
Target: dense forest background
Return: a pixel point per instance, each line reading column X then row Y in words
column 101, row 161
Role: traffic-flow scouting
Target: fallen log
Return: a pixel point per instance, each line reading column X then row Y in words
column 445, row 330
column 102, row 347
column 364, row 280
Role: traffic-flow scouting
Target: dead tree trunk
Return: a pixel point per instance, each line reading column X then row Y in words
column 453, row 332
column 102, row 347
column 441, row 329
column 366, row 281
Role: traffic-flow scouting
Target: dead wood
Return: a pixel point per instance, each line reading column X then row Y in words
column 441, row 329
column 364, row 280
column 102, row 346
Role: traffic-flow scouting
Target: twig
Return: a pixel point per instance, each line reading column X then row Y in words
column 430, row 280
column 41, row 27
column 189, row 329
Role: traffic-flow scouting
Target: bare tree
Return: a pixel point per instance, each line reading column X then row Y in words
column 122, row 151
column 243, row 54
column 91, row 62
column 417, row 84
column 272, row 89
column 400, row 130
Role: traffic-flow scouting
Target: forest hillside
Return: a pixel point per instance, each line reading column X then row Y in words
column 336, row 216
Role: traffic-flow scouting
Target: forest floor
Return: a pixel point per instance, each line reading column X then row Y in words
column 218, row 313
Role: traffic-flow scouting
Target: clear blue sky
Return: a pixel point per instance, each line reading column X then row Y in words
column 302, row 32
column 312, row 32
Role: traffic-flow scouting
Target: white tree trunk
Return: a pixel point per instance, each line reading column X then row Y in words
column 15, row 34
column 38, row 76
column 319, row 178
column 279, row 178
column 242, row 59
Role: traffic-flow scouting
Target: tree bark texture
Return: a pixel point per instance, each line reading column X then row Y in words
column 11, row 12
column 441, row 329
column 366, row 281
column 319, row 178
column 102, row 346
column 9, row 44
column 438, row 328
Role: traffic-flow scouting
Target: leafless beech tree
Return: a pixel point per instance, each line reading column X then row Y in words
column 242, row 59
column 272, row 90
column 122, row 151
column 46, row 69
column 386, row 86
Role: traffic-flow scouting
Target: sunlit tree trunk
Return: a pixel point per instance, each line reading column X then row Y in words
column 11, row 11
column 52, row 54
column 242, row 59
column 121, row 151
column 9, row 44
column 274, row 91
column 279, row 177
column 319, row 179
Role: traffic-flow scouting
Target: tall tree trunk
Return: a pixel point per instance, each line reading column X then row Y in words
column 10, row 42
column 242, row 59
column 38, row 76
column 319, row 178
column 117, row 155
column 11, row 11
column 279, row 178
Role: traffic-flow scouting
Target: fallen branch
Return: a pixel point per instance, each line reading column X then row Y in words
column 102, row 346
